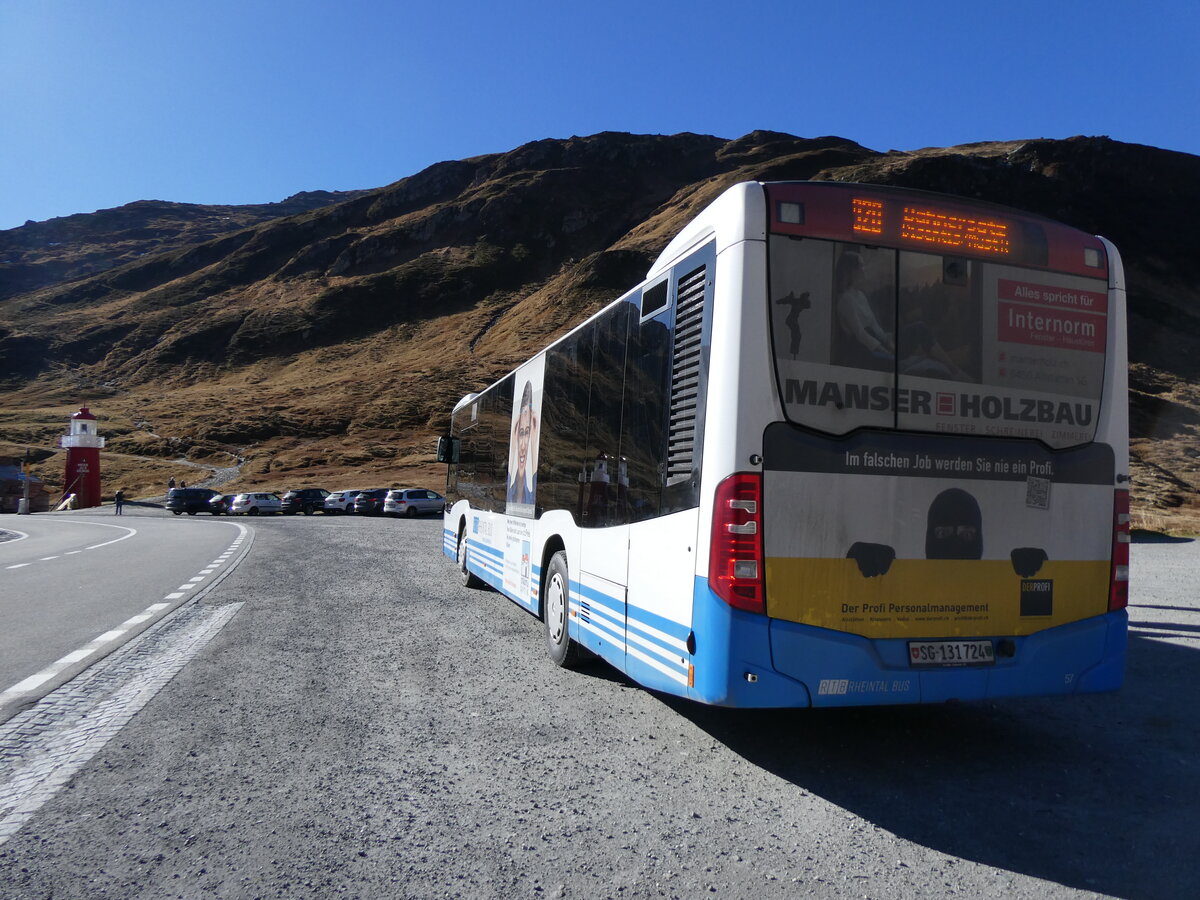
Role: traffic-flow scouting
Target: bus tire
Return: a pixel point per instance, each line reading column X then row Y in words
column 556, row 606
column 468, row 578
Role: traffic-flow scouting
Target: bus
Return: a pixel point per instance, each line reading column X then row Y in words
column 846, row 444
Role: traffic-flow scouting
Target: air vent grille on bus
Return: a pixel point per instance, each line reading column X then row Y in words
column 685, row 375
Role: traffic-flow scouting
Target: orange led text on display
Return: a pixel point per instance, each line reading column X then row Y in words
column 934, row 228
column 940, row 229
column 868, row 216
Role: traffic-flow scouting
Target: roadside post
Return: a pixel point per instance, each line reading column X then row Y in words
column 23, row 503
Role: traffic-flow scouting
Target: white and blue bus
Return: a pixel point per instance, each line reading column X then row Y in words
column 846, row 444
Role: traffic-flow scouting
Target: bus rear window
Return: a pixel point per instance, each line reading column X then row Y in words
column 879, row 337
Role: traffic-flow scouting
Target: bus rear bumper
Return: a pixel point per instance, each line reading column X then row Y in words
column 731, row 661
column 848, row 670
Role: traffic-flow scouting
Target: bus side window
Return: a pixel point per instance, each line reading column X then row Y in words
column 640, row 471
column 564, row 424
column 482, row 472
column 601, row 503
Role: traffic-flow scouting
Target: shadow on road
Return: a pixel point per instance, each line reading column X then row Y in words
column 1141, row 536
column 1096, row 792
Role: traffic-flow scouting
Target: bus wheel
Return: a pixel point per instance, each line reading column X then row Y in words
column 555, row 612
column 468, row 578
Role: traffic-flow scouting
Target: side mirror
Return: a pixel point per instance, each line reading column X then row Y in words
column 447, row 449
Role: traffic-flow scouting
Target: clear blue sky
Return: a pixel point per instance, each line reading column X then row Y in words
column 103, row 102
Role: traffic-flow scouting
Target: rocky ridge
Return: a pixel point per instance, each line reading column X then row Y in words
column 328, row 345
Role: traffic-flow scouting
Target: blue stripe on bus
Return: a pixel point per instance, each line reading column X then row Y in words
column 608, row 618
column 486, row 549
column 598, row 595
column 666, row 626
column 636, row 614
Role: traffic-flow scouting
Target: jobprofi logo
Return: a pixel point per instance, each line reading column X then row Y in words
column 967, row 405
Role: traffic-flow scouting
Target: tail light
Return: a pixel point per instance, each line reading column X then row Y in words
column 1118, row 597
column 735, row 561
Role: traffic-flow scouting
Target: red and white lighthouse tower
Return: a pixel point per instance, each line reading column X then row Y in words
column 83, row 459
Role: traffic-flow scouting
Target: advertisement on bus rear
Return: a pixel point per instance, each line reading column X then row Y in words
column 878, row 337
column 981, row 537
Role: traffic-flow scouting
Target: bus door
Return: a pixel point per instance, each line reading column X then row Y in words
column 604, row 541
column 640, row 484
column 661, row 434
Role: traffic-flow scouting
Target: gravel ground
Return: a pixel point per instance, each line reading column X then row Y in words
column 365, row 727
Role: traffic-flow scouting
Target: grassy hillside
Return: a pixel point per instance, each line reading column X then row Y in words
column 327, row 347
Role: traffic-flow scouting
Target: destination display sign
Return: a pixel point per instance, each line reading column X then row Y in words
column 933, row 222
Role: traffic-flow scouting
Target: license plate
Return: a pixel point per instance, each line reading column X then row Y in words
column 951, row 653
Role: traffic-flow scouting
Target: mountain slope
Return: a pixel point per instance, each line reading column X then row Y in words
column 330, row 345
column 43, row 254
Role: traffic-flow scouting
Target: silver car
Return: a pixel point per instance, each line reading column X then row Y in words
column 340, row 502
column 255, row 504
column 412, row 502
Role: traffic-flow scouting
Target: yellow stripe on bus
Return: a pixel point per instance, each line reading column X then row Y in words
column 934, row 597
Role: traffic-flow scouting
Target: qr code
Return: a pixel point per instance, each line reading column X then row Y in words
column 1037, row 493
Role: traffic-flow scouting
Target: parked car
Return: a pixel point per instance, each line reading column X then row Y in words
column 412, row 502
column 219, row 505
column 305, row 500
column 370, row 503
column 340, row 502
column 190, row 500
column 256, row 504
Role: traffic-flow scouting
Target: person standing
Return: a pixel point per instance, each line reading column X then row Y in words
column 171, row 483
column 119, row 502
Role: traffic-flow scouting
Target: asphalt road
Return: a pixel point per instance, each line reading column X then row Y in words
column 69, row 578
column 353, row 723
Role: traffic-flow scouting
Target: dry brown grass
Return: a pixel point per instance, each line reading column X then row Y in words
column 328, row 348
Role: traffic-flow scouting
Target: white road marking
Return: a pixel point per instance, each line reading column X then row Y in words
column 131, row 531
column 57, row 752
column 99, row 645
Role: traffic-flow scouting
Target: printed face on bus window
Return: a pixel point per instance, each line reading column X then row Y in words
column 524, row 429
column 522, row 460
